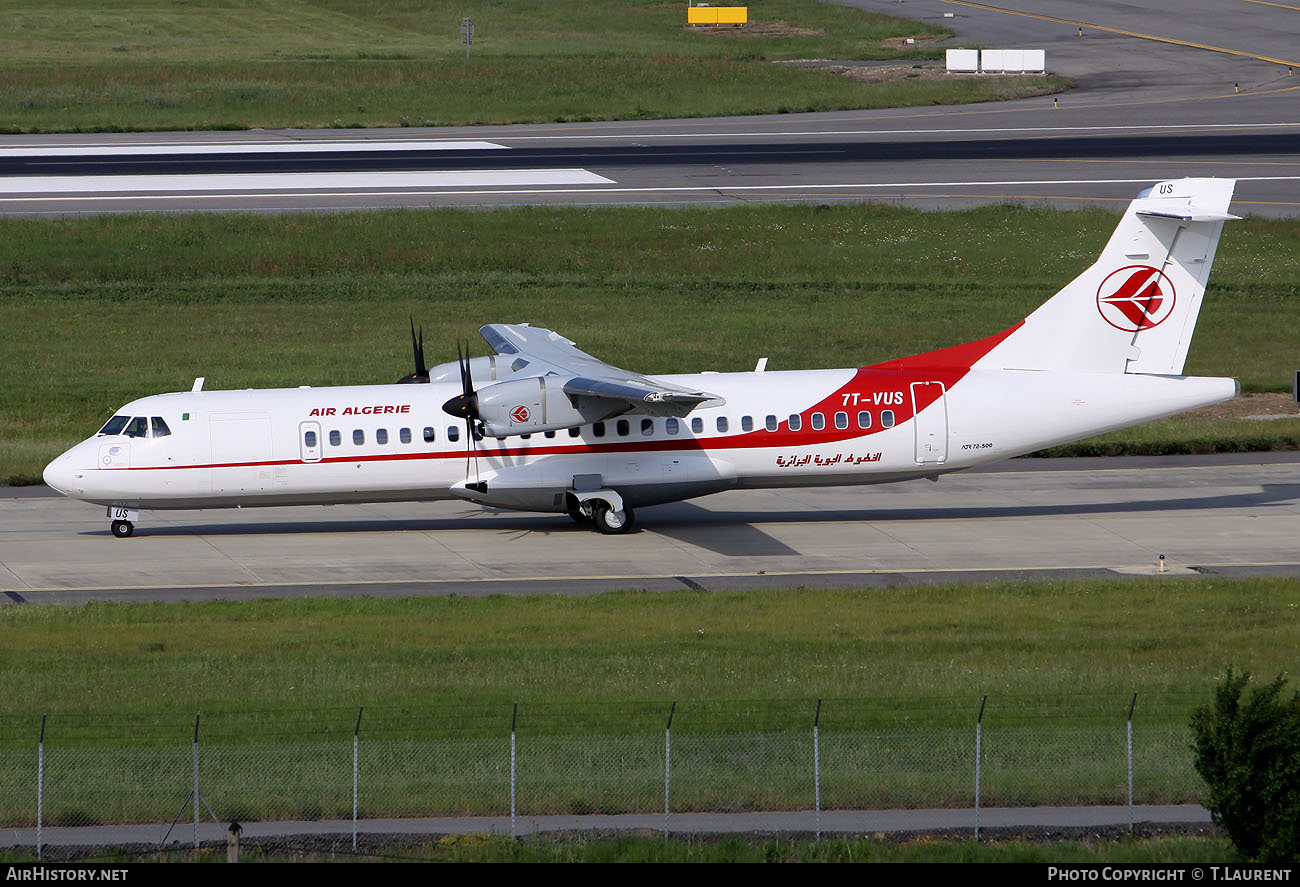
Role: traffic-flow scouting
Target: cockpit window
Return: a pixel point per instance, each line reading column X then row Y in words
column 115, row 425
column 160, row 428
column 137, row 427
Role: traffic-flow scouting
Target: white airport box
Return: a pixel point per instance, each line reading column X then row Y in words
column 1036, row 60
column 991, row 61
column 963, row 61
column 1013, row 60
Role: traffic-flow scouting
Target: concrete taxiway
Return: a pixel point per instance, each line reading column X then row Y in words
column 834, row 822
column 1021, row 519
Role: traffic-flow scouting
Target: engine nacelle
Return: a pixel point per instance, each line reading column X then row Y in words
column 493, row 368
column 526, row 406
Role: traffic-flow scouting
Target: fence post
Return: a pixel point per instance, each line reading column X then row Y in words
column 817, row 769
column 40, row 788
column 668, row 763
column 979, row 725
column 1132, row 706
column 194, row 749
column 356, row 749
column 514, row 720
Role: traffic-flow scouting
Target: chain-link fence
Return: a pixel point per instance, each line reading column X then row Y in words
column 599, row 760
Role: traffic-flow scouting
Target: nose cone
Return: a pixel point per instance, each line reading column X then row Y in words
column 58, row 474
column 66, row 472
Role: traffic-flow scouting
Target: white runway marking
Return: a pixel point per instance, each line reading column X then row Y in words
column 297, row 182
column 241, row 148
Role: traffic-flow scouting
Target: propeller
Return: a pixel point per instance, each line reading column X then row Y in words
column 465, row 406
column 421, row 373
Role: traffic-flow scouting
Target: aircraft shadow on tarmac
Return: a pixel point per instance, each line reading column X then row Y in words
column 737, row 533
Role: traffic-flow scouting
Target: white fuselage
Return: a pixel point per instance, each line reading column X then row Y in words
column 776, row 429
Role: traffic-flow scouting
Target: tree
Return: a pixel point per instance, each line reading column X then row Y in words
column 1248, row 753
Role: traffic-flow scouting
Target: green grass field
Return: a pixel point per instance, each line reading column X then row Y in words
column 156, row 64
column 736, row 661
column 901, row 674
column 98, row 311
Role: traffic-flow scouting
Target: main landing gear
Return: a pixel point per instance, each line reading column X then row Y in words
column 599, row 513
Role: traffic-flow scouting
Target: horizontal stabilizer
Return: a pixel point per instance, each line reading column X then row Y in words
column 1192, row 214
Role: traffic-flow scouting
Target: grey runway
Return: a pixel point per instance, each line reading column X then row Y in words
column 1143, row 110
column 1094, row 517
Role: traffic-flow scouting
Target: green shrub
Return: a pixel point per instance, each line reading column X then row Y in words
column 1248, row 753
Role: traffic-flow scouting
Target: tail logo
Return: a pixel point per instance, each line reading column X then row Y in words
column 1135, row 298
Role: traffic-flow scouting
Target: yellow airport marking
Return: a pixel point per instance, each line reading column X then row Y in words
column 1278, row 5
column 1173, row 40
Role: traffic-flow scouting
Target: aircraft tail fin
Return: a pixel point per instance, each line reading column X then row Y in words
column 1135, row 309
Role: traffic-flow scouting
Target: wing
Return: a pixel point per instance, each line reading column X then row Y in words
column 533, row 351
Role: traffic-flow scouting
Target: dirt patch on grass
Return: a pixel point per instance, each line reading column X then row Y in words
column 917, row 40
column 756, row 29
column 907, row 71
column 1268, row 404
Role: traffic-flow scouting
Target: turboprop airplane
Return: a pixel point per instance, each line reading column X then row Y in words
column 543, row 426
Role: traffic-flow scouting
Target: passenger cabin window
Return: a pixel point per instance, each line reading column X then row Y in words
column 622, row 427
column 796, row 422
column 647, row 427
column 550, row 434
column 722, row 424
column 818, row 421
column 697, row 425
column 746, row 423
column 309, row 438
column 453, row 433
column 670, row 426
column 404, row 435
column 115, row 425
column 381, row 436
column 864, row 419
column 358, row 437
column 771, row 424
column 430, row 435
column 574, row 432
column 841, row 421
column 887, row 418
column 137, row 427
column 336, row 439
column 160, row 428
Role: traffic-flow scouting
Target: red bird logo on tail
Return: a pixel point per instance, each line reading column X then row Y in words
column 1135, row 298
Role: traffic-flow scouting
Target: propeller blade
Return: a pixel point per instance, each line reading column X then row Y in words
column 421, row 373
column 421, row 370
column 464, row 405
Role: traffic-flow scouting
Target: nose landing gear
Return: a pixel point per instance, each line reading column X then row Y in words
column 123, row 520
